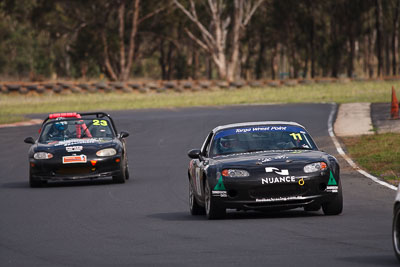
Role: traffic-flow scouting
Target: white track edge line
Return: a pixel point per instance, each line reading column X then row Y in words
column 344, row 155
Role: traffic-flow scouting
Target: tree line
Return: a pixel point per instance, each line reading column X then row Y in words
column 199, row 39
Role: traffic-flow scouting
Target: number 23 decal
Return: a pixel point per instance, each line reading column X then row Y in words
column 100, row 122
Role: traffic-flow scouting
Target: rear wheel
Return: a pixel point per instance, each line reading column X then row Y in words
column 213, row 210
column 396, row 232
column 335, row 206
column 195, row 208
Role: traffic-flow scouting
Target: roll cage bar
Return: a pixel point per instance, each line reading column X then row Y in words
column 97, row 115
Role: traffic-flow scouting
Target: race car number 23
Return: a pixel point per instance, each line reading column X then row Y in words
column 100, row 122
column 296, row 136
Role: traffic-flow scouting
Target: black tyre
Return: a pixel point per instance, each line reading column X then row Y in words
column 396, row 232
column 335, row 206
column 213, row 210
column 127, row 172
column 120, row 178
column 195, row 208
column 312, row 207
column 34, row 183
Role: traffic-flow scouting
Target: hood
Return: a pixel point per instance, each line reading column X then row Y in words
column 76, row 146
column 275, row 156
column 293, row 160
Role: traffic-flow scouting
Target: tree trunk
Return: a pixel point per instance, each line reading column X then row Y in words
column 121, row 30
column 350, row 63
column 161, row 60
column 135, row 18
column 395, row 39
column 379, row 35
column 387, row 55
column 260, row 60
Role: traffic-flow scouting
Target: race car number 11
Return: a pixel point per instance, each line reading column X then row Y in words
column 296, row 136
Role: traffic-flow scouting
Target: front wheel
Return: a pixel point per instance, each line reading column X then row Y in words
column 213, row 210
column 35, row 182
column 396, row 232
column 195, row 208
column 121, row 177
column 335, row 206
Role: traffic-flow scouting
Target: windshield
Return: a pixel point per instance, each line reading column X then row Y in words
column 65, row 129
column 260, row 138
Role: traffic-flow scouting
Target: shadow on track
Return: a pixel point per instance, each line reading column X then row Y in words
column 237, row 215
column 372, row 260
column 18, row 185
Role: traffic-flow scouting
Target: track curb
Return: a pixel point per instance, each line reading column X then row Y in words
column 347, row 158
column 23, row 123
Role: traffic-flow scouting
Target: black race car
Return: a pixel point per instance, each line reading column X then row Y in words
column 262, row 166
column 77, row 146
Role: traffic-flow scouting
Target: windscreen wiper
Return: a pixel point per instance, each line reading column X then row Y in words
column 300, row 147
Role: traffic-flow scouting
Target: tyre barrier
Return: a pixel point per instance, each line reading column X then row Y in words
column 290, row 83
column 100, row 86
column 57, row 89
column 161, row 90
column 163, row 86
column 23, row 90
column 169, row 85
column 13, row 87
column 274, row 83
column 135, row 86
column 49, row 86
column 256, row 84
column 40, row 89
column 84, row 86
column 152, row 86
column 144, row 90
column 187, row 85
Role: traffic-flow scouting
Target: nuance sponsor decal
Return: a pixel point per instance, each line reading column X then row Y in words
column 276, row 180
column 277, row 171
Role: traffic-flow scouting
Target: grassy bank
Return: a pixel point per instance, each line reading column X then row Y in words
column 379, row 154
column 12, row 106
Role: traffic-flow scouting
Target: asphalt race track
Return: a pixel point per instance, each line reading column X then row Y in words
column 146, row 221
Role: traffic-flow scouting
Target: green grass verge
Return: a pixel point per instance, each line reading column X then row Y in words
column 379, row 154
column 15, row 104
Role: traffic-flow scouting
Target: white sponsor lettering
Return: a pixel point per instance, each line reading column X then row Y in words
column 332, row 189
column 72, row 142
column 275, row 180
column 279, row 199
column 74, row 148
column 219, row 193
column 245, row 130
column 277, row 171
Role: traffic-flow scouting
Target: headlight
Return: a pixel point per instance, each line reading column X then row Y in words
column 42, row 155
column 107, row 152
column 315, row 167
column 235, row 173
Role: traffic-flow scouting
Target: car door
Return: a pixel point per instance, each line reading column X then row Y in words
column 199, row 165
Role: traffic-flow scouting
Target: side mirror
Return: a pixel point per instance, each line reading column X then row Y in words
column 123, row 134
column 194, row 153
column 29, row 140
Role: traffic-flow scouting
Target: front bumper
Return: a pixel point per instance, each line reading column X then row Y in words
column 55, row 170
column 250, row 193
